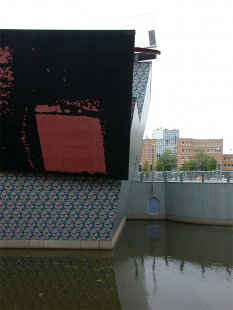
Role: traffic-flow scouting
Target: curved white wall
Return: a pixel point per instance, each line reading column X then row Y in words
column 187, row 202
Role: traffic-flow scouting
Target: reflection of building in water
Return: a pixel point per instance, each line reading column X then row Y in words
column 129, row 263
column 50, row 281
column 204, row 245
column 150, row 254
column 130, row 279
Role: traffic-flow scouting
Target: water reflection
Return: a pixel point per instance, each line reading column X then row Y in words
column 57, row 280
column 174, row 266
column 156, row 265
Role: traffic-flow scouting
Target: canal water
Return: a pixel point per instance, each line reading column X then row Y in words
column 155, row 265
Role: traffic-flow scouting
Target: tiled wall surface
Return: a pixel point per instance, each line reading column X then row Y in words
column 140, row 78
column 55, row 207
column 142, row 93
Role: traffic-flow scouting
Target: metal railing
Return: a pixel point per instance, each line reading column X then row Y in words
column 215, row 176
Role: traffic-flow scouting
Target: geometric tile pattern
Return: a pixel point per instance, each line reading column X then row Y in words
column 57, row 207
column 140, row 78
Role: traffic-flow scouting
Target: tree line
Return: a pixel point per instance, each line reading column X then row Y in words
column 168, row 161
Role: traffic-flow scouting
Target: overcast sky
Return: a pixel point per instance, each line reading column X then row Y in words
column 192, row 83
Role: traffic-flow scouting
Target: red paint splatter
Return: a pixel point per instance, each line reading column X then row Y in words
column 5, row 55
column 6, row 78
column 88, row 105
column 23, row 138
column 48, row 109
column 64, row 105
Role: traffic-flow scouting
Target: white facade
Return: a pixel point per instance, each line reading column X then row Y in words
column 166, row 139
column 157, row 133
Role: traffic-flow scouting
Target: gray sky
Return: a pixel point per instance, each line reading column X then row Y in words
column 192, row 83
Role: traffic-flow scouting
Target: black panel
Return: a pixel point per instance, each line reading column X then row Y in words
column 41, row 70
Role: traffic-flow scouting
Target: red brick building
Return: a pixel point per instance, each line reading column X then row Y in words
column 227, row 162
column 187, row 149
column 147, row 151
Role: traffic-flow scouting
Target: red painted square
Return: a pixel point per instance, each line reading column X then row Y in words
column 71, row 143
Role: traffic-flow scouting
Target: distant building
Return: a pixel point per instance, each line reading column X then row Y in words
column 157, row 133
column 166, row 139
column 187, row 148
column 227, row 162
column 147, row 151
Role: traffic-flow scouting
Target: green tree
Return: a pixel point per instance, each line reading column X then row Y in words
column 200, row 162
column 189, row 165
column 205, row 162
column 167, row 161
column 146, row 167
column 159, row 165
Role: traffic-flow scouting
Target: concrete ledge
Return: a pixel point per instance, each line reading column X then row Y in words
column 64, row 244
column 40, row 244
column 118, row 231
column 50, row 244
column 191, row 220
column 145, row 217
column 195, row 220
